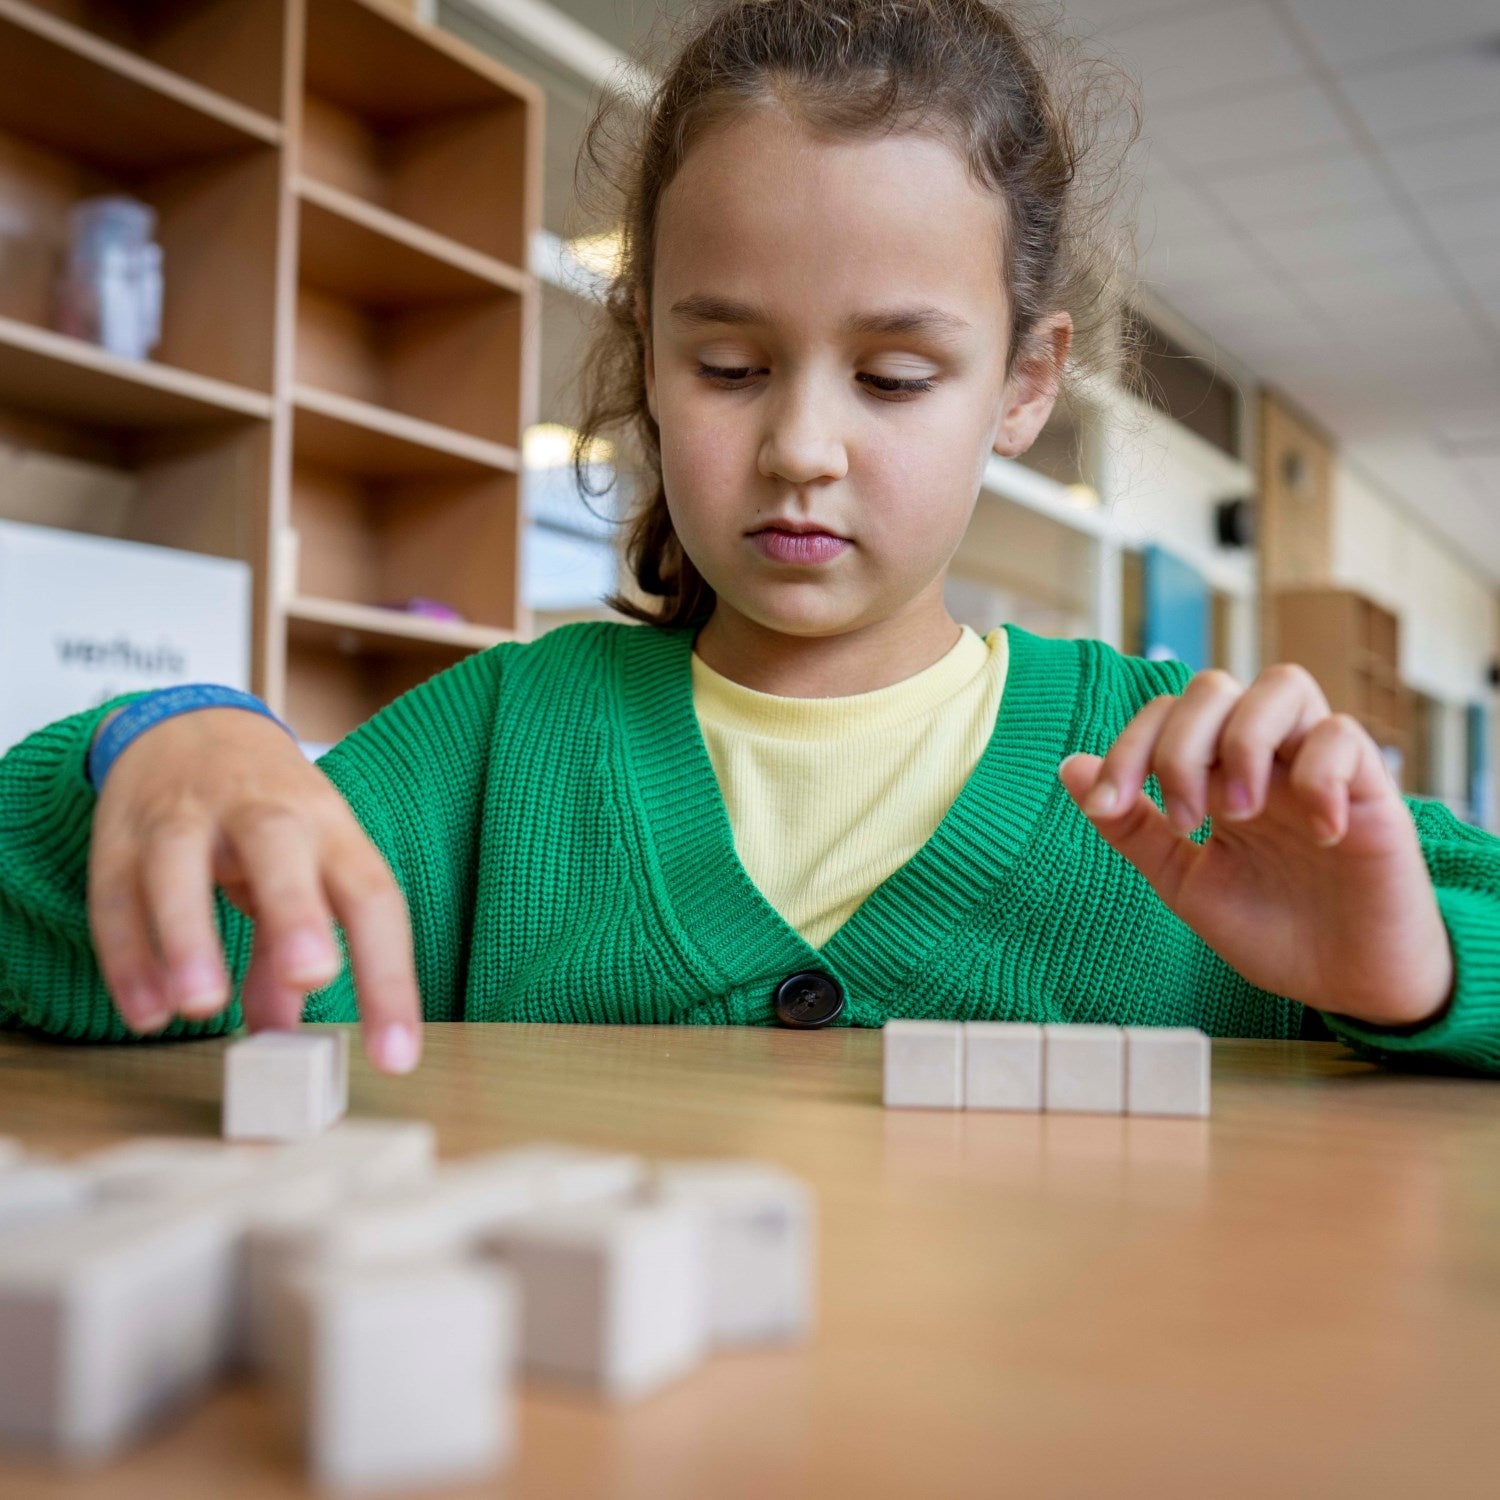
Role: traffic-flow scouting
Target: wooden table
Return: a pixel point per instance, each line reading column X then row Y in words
column 1298, row 1297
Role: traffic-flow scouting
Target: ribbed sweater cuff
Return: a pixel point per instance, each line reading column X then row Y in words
column 49, row 770
column 1468, row 1032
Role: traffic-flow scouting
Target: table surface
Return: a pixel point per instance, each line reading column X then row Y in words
column 1300, row 1296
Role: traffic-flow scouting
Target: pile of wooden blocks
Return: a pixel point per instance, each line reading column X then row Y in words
column 390, row 1299
column 1133, row 1070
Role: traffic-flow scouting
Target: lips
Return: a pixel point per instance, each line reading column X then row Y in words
column 778, row 544
column 799, row 531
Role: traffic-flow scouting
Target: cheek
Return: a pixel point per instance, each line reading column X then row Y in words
column 923, row 488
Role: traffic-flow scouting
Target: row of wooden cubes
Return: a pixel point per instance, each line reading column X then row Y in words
column 1154, row 1070
column 391, row 1300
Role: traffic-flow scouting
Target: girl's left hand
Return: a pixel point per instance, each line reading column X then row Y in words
column 1316, row 888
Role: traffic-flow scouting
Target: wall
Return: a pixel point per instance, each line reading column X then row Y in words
column 1450, row 615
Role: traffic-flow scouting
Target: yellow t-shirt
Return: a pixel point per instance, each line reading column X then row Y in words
column 829, row 796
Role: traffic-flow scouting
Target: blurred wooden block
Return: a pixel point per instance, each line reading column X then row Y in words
column 1002, row 1065
column 1084, row 1068
column 445, row 1212
column 33, row 1191
column 173, row 1166
column 285, row 1085
column 563, row 1176
column 613, row 1296
column 923, row 1064
column 109, row 1322
column 372, row 1153
column 761, row 1246
column 1166, row 1070
column 401, row 1375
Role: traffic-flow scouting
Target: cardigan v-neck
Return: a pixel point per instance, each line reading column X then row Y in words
column 895, row 931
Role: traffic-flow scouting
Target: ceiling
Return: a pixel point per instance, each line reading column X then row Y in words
column 1320, row 197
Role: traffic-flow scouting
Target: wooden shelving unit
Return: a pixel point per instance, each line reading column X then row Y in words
column 1351, row 645
column 345, row 199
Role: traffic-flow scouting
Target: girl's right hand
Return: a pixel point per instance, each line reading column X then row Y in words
column 223, row 796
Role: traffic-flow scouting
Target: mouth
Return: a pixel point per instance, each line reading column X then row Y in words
column 781, row 530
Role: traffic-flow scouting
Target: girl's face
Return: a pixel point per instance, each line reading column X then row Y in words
column 852, row 293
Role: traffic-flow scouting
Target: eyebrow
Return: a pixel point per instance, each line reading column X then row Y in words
column 702, row 307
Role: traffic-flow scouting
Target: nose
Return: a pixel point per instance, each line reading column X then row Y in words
column 802, row 441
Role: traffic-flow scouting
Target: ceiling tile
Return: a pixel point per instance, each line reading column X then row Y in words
column 1250, row 131
column 1197, row 56
column 1465, row 221
column 1484, row 470
column 1175, row 212
column 1296, row 192
column 1216, row 263
column 1377, row 30
column 1463, row 161
column 1397, row 102
column 1338, row 240
column 1095, row 15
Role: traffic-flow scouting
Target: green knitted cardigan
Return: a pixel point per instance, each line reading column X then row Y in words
column 551, row 813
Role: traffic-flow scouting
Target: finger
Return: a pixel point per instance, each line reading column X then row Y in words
column 1338, row 763
column 371, row 908
column 1270, row 721
column 1187, row 745
column 267, row 1001
column 278, row 853
column 121, row 936
column 1126, row 766
column 1140, row 833
column 177, row 885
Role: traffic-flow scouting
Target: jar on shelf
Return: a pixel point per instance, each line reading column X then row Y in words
column 110, row 289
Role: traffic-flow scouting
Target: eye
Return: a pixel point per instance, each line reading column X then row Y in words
column 723, row 374
column 891, row 386
column 886, row 383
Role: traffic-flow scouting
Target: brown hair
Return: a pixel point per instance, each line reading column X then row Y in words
column 972, row 72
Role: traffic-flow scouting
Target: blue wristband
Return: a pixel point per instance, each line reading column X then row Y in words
column 137, row 717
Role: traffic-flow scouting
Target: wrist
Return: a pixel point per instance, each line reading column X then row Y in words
column 114, row 713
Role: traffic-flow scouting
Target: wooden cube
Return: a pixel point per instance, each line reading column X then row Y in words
column 150, row 1167
column 613, row 1296
column 372, row 1153
column 1166, row 1070
column 109, row 1322
column 402, row 1375
column 445, row 1212
column 285, row 1085
column 1002, row 1065
column 564, row 1176
column 760, row 1224
column 923, row 1064
column 1084, row 1068
column 34, row 1190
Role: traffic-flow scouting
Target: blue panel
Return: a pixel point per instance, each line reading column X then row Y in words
column 1175, row 610
column 1479, row 783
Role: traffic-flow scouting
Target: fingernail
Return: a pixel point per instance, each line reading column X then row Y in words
column 143, row 1012
column 307, row 956
column 1326, row 834
column 1101, row 799
column 396, row 1049
column 1237, row 800
column 198, row 985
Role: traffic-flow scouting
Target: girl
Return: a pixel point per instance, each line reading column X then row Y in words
column 858, row 257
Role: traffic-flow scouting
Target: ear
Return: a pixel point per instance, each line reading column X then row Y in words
column 644, row 324
column 1033, row 386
